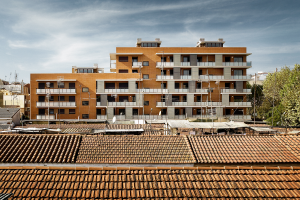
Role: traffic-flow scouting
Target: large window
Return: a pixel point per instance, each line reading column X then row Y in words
column 85, row 116
column 145, row 63
column 61, row 111
column 238, row 59
column 51, row 111
column 145, row 76
column 146, row 103
column 71, row 111
column 123, row 71
column 61, row 98
column 123, row 58
column 71, row 85
column 61, row 85
column 85, row 103
column 71, row 98
column 238, row 99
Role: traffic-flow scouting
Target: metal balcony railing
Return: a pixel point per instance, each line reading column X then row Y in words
column 240, row 103
column 45, row 117
column 152, row 90
column 55, row 91
column 182, row 90
column 185, row 77
column 56, row 104
column 249, row 63
column 234, row 91
column 233, row 117
column 241, row 77
column 101, row 117
column 137, row 64
column 122, row 104
column 206, row 64
column 160, row 103
column 164, row 64
column 179, row 117
column 210, row 77
column 164, row 77
column 201, row 90
column 179, row 103
column 185, row 64
column 208, row 103
column 115, row 90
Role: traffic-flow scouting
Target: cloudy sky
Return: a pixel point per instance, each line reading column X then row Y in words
column 51, row 36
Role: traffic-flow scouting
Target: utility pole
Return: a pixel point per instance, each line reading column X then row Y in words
column 254, row 95
column 274, row 97
column 139, row 101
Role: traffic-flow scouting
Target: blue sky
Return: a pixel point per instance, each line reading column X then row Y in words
column 52, row 36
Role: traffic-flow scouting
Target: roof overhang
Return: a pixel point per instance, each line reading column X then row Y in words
column 113, row 56
column 246, row 54
column 55, row 80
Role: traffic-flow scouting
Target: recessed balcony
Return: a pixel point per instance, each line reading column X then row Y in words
column 152, row 90
column 56, row 104
column 207, row 103
column 55, row 91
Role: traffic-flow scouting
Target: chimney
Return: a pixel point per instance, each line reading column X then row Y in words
column 202, row 39
column 220, row 39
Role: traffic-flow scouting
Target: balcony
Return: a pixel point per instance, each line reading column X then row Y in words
column 162, row 77
column 211, row 77
column 201, row 91
column 182, row 90
column 152, row 90
column 185, row 64
column 207, row 103
column 244, row 64
column 241, row 77
column 122, row 104
column 185, row 77
column 164, row 64
column 230, row 91
column 179, row 103
column 56, row 91
column 238, row 117
column 45, row 116
column 210, row 64
column 56, row 104
column 161, row 104
column 115, row 90
column 137, row 64
column 204, row 116
column 101, row 117
column 248, row 104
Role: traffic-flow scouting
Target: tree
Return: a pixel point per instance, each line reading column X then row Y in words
column 259, row 99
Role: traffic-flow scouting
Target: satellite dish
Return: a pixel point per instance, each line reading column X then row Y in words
column 159, row 113
column 114, row 119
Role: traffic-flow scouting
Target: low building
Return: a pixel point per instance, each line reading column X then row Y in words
column 10, row 116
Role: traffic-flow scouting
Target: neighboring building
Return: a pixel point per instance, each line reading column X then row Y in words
column 177, row 82
column 260, row 77
column 9, row 116
column 12, row 100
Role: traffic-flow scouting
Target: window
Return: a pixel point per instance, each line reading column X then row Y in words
column 71, row 98
column 41, row 98
column 71, row 85
column 135, row 112
column 85, row 103
column 198, row 98
column 123, row 71
column 51, row 98
column 176, row 111
column 145, row 63
column 163, row 59
column 71, row 111
column 61, row 111
column 198, row 85
column 199, row 59
column 187, row 72
column 227, row 111
column 163, row 85
column 171, row 58
column 238, row 59
column 41, row 85
column 198, row 112
column 146, row 103
column 163, row 111
column 227, row 59
column 122, row 111
column 85, row 89
column 186, row 59
column 227, row 85
column 200, row 72
column 185, row 85
column 175, row 98
column 111, row 99
column 163, row 72
column 145, row 76
column 238, row 99
column 51, row 111
column 238, row 72
column 123, row 58
column 176, row 85
column 61, row 98
column 123, row 85
column 134, row 59
column 171, row 72
column 60, row 84
column 85, row 116
column 41, row 111
column 134, row 71
column 109, row 85
column 98, row 98
column 239, row 112
column 51, row 85
column 123, row 98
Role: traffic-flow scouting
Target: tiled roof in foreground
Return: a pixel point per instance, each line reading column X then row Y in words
column 241, row 149
column 38, row 148
column 158, row 183
column 135, row 149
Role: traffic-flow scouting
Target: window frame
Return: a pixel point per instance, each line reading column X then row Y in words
column 85, row 103
column 71, row 113
column 145, row 75
column 145, row 63
column 84, row 88
column 124, row 59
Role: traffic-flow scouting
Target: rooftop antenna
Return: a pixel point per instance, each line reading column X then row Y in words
column 9, row 77
column 16, row 77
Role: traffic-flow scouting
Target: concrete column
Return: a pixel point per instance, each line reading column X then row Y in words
column 128, row 112
column 139, row 99
column 100, row 87
column 110, row 112
column 219, row 111
column 195, row 73
column 193, row 59
column 190, row 99
column 177, row 59
column 103, row 99
column 131, row 86
column 239, row 86
column 176, row 72
column 192, row 86
column 168, row 99
column 227, row 72
column 189, row 111
column 171, row 86
column 171, row 112
column 219, row 59
column 225, row 99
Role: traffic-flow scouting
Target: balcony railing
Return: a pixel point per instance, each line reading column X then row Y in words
column 115, row 90
column 240, row 103
column 45, row 117
column 201, row 90
column 56, row 91
column 182, row 90
column 161, row 104
column 149, row 117
column 164, row 64
column 164, row 77
column 152, row 90
column 208, row 103
column 210, row 77
column 56, row 104
column 185, row 64
column 122, row 104
column 237, row 63
column 206, row 64
column 179, row 117
column 234, row 91
column 179, row 103
column 101, row 117
column 241, row 77
column 233, row 117
column 185, row 77
column 137, row 64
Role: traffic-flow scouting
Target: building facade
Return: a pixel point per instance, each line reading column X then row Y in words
column 150, row 82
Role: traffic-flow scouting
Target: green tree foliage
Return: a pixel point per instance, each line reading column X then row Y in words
column 259, row 99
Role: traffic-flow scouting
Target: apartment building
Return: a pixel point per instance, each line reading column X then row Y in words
column 149, row 81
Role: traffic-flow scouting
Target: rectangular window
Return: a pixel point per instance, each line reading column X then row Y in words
column 61, row 98
column 122, row 111
column 109, row 85
column 185, row 85
column 61, row 84
column 163, row 85
column 51, row 85
column 227, row 85
column 198, row 98
column 51, row 111
column 123, row 85
column 61, row 111
column 171, row 58
column 200, row 72
column 85, row 116
column 41, row 111
column 198, row 85
column 51, row 98
column 238, row 72
column 123, row 58
column 238, row 99
column 145, row 76
column 134, row 59
column 41, row 85
column 227, row 59
column 238, row 59
column 146, row 103
column 186, row 59
column 90, row 71
column 145, row 63
column 198, row 111
column 98, row 98
column 85, row 103
column 85, row 89
column 163, row 111
column 171, row 72
column 239, row 112
column 41, row 98
column 71, row 98
column 176, row 111
column 199, row 59
column 134, row 71
column 123, row 71
column 71, row 111
column 123, row 98
column 71, row 85
column 134, row 111
column 176, row 85
column 80, row 70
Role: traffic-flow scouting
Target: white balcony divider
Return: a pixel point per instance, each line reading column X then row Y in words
column 247, row 90
column 101, row 117
column 165, row 64
column 115, row 90
column 152, row 90
column 121, row 103
column 160, row 103
column 240, row 103
column 137, row 64
column 182, row 90
column 211, row 77
column 55, row 91
column 201, row 90
column 206, row 64
column 185, row 77
column 228, row 90
column 164, row 77
column 56, row 104
column 179, row 117
column 185, row 64
column 241, row 77
column 179, row 103
column 249, row 63
column 45, row 116
column 233, row 117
